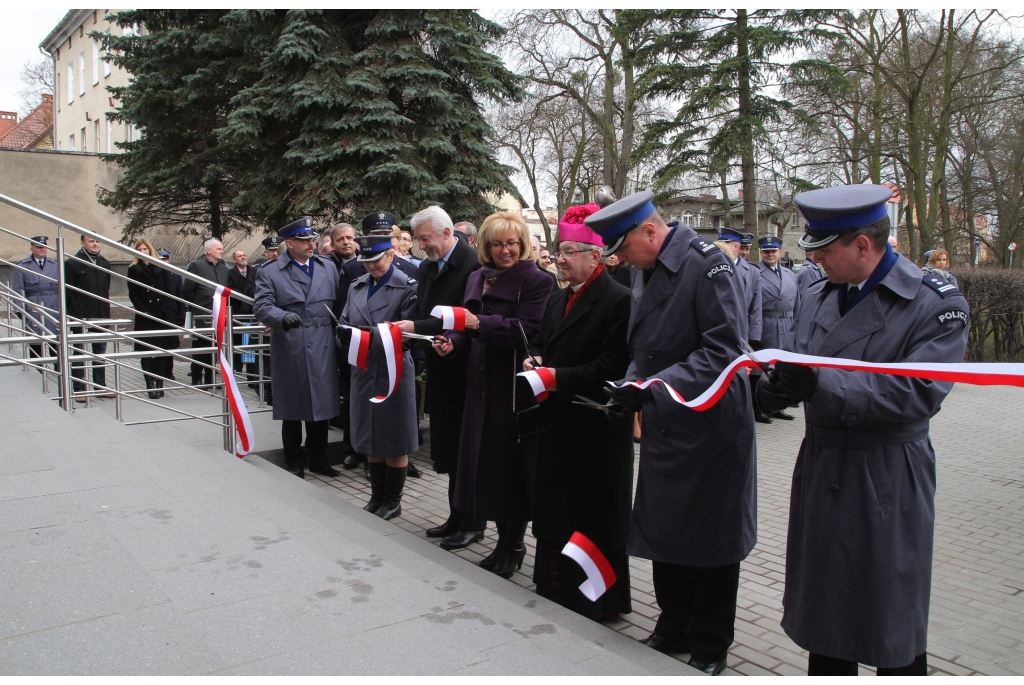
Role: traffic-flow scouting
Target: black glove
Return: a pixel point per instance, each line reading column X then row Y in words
column 768, row 396
column 291, row 320
column 629, row 397
column 795, row 381
column 342, row 336
column 755, row 345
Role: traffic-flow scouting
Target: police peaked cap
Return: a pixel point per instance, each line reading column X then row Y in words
column 613, row 222
column 378, row 222
column 831, row 212
column 301, row 229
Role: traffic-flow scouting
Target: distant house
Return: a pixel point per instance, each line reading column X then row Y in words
column 34, row 132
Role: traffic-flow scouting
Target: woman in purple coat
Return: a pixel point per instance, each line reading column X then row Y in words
column 497, row 467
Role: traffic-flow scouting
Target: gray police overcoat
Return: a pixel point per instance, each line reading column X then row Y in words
column 862, row 506
column 32, row 284
column 809, row 274
column 750, row 280
column 779, row 300
column 696, row 493
column 388, row 428
column 303, row 364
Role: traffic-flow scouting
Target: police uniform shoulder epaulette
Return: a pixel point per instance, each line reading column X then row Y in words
column 704, row 247
column 940, row 285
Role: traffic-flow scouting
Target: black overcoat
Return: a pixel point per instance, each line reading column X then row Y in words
column 87, row 277
column 151, row 298
column 496, row 474
column 446, row 376
column 584, row 458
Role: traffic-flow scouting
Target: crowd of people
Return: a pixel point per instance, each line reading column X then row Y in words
column 625, row 296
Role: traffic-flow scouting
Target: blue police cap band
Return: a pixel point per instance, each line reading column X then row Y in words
column 301, row 229
column 769, row 243
column 627, row 223
column 163, row 254
column 847, row 222
column 41, row 239
column 730, row 234
column 372, row 248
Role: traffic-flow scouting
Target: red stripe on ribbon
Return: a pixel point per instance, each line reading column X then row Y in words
column 358, row 347
column 591, row 550
column 391, row 337
column 243, row 425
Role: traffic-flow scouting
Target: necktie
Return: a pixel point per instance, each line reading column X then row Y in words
column 40, row 262
column 851, row 295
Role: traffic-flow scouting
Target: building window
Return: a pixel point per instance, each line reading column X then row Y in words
column 110, row 137
column 81, row 73
column 71, row 83
column 96, row 147
column 95, row 63
column 71, row 142
column 688, row 220
column 84, row 139
column 106, row 63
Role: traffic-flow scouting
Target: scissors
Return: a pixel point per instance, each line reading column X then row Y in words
column 749, row 351
column 362, row 328
column 591, row 404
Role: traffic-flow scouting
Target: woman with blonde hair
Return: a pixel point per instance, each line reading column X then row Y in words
column 148, row 286
column 497, row 454
column 938, row 264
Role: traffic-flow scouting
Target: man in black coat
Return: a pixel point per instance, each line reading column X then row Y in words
column 238, row 279
column 271, row 244
column 210, row 266
column 442, row 281
column 85, row 273
column 585, row 457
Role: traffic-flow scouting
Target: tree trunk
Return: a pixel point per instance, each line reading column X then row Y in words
column 628, row 106
column 726, row 205
column 216, row 229
column 747, row 132
column 608, row 125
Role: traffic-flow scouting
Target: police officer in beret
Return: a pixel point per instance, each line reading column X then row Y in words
column 293, row 295
column 387, row 431
column 862, row 508
column 779, row 300
column 374, row 223
column 694, row 515
column 35, row 277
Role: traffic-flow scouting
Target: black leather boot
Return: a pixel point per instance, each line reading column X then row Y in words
column 378, row 474
column 514, row 552
column 393, row 487
column 160, row 387
column 150, row 384
column 449, row 527
column 492, row 558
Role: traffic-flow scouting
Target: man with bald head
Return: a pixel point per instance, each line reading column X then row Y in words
column 212, row 267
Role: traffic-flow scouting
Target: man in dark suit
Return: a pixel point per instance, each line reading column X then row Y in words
column 87, row 287
column 442, row 281
column 238, row 280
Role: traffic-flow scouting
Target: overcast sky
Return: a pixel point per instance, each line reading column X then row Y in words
column 21, row 32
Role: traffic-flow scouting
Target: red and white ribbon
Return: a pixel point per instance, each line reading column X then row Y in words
column 541, row 380
column 246, row 436
column 452, row 318
column 358, row 347
column 972, row 374
column 600, row 575
column 391, row 336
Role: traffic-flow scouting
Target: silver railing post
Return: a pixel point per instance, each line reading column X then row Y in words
column 117, row 377
column 62, row 334
column 259, row 373
column 229, row 419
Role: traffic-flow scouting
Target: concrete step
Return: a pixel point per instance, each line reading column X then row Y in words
column 136, row 550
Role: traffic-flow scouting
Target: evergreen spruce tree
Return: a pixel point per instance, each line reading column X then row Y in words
column 185, row 68
column 720, row 63
column 367, row 110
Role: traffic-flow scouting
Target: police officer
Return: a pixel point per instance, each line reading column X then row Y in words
column 271, row 245
column 750, row 280
column 746, row 242
column 387, row 431
column 35, row 277
column 779, row 300
column 374, row 223
column 862, row 509
column 694, row 515
column 810, row 273
column 293, row 295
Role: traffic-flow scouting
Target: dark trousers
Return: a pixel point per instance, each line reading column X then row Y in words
column 99, row 371
column 201, row 372
column 157, row 367
column 819, row 664
column 467, row 522
column 316, row 444
column 698, row 605
column 37, row 351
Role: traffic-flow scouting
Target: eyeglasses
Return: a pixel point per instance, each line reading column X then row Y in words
column 511, row 245
column 568, row 253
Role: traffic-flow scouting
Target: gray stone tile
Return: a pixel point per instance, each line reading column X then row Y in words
column 150, row 641
column 128, row 496
column 23, row 461
column 33, row 484
column 61, row 545
column 53, row 597
column 40, row 512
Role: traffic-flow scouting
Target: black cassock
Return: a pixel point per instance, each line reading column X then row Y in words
column 585, row 458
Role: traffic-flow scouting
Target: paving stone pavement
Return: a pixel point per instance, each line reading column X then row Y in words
column 978, row 576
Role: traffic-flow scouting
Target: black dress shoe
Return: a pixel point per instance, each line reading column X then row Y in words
column 666, row 645
column 412, row 471
column 446, row 529
column 708, row 667
column 350, row 461
column 325, row 470
column 298, row 472
column 462, row 538
column 782, row 415
column 762, row 418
